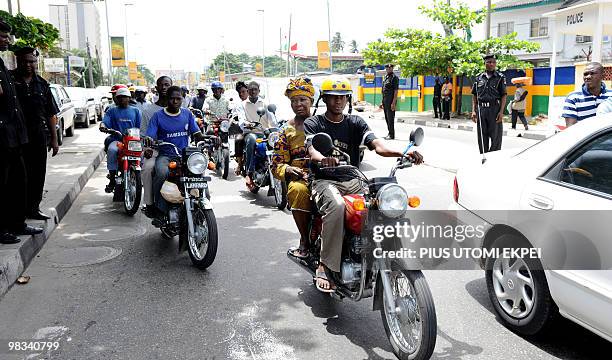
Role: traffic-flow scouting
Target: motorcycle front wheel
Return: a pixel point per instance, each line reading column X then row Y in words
column 132, row 191
column 203, row 249
column 280, row 193
column 225, row 159
column 412, row 329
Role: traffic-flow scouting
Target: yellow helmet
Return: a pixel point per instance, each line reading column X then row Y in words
column 336, row 86
column 132, row 88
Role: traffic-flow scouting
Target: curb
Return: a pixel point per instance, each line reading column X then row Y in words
column 13, row 262
column 462, row 127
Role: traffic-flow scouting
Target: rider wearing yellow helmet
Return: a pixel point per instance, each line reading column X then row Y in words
column 348, row 132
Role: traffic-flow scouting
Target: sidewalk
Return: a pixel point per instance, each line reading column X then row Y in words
column 67, row 173
column 535, row 132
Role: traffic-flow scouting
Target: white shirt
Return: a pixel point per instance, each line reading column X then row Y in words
column 247, row 111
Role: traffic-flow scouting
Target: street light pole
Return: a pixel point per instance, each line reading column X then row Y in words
column 263, row 49
column 110, row 50
column 10, row 6
column 127, row 59
column 331, row 66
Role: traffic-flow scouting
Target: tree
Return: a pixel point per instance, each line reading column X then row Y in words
column 30, row 31
column 421, row 52
column 353, row 46
column 337, row 44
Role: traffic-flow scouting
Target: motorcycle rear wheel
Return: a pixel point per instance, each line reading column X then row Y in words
column 132, row 192
column 412, row 332
column 280, row 193
column 204, row 250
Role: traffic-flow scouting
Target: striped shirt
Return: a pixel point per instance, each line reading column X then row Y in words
column 582, row 104
column 605, row 107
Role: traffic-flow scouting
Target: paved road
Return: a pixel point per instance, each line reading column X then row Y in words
column 110, row 287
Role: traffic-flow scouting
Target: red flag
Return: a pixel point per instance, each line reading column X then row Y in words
column 294, row 47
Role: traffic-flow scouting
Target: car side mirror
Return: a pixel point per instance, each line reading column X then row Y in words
column 416, row 136
column 323, row 143
column 272, row 108
column 65, row 100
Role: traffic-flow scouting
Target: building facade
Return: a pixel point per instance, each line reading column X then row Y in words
column 525, row 17
column 78, row 22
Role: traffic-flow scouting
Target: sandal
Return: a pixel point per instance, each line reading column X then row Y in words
column 322, row 275
column 299, row 252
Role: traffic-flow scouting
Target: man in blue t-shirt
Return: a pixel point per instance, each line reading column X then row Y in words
column 120, row 118
column 172, row 124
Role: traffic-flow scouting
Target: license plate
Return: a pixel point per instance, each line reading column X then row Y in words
column 195, row 183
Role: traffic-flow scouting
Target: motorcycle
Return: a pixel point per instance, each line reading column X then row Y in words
column 199, row 116
column 220, row 153
column 402, row 296
column 128, row 182
column 190, row 214
column 262, row 158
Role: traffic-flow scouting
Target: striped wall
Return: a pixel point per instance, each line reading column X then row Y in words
column 411, row 99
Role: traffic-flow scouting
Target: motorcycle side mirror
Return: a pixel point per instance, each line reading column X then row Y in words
column 272, row 108
column 261, row 111
column 323, row 143
column 416, row 136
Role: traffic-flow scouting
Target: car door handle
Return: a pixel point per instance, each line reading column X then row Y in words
column 540, row 202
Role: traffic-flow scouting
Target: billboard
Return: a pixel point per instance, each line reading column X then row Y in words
column 132, row 70
column 118, row 50
column 54, row 65
column 76, row 61
column 323, row 55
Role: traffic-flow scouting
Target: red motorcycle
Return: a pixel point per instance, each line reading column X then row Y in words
column 128, row 182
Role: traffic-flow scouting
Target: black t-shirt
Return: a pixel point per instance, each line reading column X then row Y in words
column 13, row 131
column 489, row 89
column 37, row 103
column 390, row 85
column 347, row 135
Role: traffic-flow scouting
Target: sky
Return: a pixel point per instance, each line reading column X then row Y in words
column 187, row 34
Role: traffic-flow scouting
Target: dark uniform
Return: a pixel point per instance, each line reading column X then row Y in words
column 390, row 86
column 489, row 92
column 437, row 99
column 38, row 107
column 13, row 135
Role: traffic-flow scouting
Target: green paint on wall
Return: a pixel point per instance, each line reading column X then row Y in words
column 539, row 105
column 428, row 102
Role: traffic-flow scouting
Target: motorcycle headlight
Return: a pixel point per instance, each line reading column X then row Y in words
column 133, row 132
column 392, row 200
column 134, row 145
column 273, row 138
column 197, row 163
column 224, row 126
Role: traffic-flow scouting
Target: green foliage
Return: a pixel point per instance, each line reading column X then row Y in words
column 337, row 44
column 274, row 66
column 30, row 31
column 420, row 52
column 353, row 46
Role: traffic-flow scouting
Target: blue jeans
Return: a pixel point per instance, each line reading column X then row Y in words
column 251, row 142
column 111, row 156
column 161, row 173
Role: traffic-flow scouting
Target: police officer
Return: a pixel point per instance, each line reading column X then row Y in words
column 39, row 109
column 13, row 135
column 389, row 94
column 488, row 103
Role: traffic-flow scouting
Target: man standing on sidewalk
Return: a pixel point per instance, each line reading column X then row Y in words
column 583, row 104
column 437, row 99
column 39, row 109
column 13, row 135
column 488, row 104
column 447, row 98
column 389, row 93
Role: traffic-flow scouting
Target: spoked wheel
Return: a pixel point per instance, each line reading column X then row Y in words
column 225, row 159
column 202, row 247
column 166, row 234
column 280, row 193
column 412, row 329
column 218, row 161
column 132, row 192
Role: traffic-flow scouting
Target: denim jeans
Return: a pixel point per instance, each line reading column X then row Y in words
column 111, row 156
column 161, row 173
column 251, row 141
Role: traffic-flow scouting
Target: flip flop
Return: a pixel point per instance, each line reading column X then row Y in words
column 299, row 253
column 323, row 275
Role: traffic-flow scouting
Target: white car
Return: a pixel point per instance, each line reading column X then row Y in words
column 571, row 170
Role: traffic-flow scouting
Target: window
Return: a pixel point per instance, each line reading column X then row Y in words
column 505, row 28
column 591, row 166
column 581, row 39
column 539, row 27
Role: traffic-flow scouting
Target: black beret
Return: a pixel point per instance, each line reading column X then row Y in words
column 26, row 51
column 5, row 27
column 489, row 56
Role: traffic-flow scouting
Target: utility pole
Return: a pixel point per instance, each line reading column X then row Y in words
column 125, row 15
column 289, row 49
column 488, row 30
column 110, row 51
column 91, row 80
column 18, row 6
column 10, row 6
column 331, row 66
column 263, row 48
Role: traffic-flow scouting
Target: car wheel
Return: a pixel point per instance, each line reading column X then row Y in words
column 518, row 290
column 86, row 122
column 70, row 131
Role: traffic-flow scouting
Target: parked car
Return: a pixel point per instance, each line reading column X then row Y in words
column 100, row 100
column 571, row 170
column 84, row 105
column 65, row 118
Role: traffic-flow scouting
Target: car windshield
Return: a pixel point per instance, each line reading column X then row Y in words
column 76, row 93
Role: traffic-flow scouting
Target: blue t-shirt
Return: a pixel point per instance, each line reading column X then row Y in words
column 173, row 129
column 122, row 119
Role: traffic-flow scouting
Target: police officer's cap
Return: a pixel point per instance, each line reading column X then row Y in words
column 489, row 56
column 28, row 50
column 389, row 65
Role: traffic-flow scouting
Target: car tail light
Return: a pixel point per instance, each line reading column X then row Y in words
column 456, row 190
